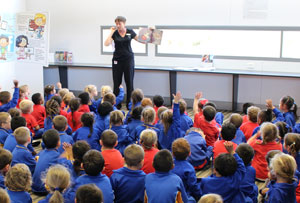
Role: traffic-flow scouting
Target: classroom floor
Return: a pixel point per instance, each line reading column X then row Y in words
column 200, row 174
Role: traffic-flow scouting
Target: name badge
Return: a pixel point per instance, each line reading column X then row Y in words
column 115, row 62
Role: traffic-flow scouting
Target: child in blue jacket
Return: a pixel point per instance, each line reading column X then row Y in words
column 21, row 153
column 163, row 185
column 18, row 182
column 87, row 132
column 237, row 120
column 128, row 182
column 47, row 158
column 200, row 153
column 134, row 120
column 170, row 129
column 5, row 98
column 102, row 119
column 148, row 117
column 185, row 121
column 248, row 186
column 181, row 150
column 117, row 125
column 229, row 171
column 5, row 127
column 93, row 164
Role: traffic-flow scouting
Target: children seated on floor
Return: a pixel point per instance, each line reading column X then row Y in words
column 5, row 161
column 6, row 102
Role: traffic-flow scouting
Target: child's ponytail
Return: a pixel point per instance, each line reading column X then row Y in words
column 74, row 106
column 290, row 104
column 87, row 120
column 292, row 140
column 56, row 197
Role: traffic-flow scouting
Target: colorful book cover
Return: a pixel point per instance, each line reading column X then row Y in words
column 148, row 35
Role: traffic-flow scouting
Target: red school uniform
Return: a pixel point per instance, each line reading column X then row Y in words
column 209, row 129
column 76, row 117
column 248, row 129
column 30, row 121
column 245, row 119
column 113, row 161
column 148, row 160
column 219, row 148
column 63, row 113
column 259, row 161
column 39, row 113
column 84, row 108
column 19, row 101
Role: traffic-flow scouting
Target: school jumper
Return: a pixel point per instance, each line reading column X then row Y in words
column 281, row 192
column 83, row 133
column 101, row 124
column 132, row 125
column 259, row 161
column 248, row 186
column 200, row 153
column 226, row 186
column 165, row 139
column 69, row 165
column 39, row 113
column 84, row 108
column 239, row 137
column 137, row 133
column 128, row 185
column 209, row 129
column 10, row 143
column 3, row 135
column 148, row 160
column 164, row 187
column 19, row 196
column 2, row 181
column 76, row 117
column 248, row 128
column 12, row 103
column 113, row 160
column 47, row 158
column 101, row 181
column 123, row 137
column 185, row 122
column 219, row 148
column 21, row 154
column 188, row 176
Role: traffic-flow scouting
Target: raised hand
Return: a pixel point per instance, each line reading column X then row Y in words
column 198, row 95
column 58, row 84
column 16, row 83
column 177, row 97
column 269, row 104
column 229, row 147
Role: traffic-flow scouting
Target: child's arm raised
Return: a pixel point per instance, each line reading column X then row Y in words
column 120, row 96
column 198, row 96
column 278, row 114
column 176, row 114
column 14, row 101
column 254, row 137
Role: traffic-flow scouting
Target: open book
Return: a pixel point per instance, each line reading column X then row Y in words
column 148, row 35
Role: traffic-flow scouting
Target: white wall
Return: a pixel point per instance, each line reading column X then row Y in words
column 75, row 26
column 26, row 73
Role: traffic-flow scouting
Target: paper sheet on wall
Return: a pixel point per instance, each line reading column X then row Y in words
column 7, row 37
column 32, row 35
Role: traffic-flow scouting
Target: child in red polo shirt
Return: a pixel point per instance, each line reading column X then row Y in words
column 74, row 116
column 269, row 134
column 227, row 133
column 59, row 101
column 148, row 140
column 248, row 127
column 84, row 101
column 208, row 126
column 245, row 108
column 198, row 107
column 23, row 94
column 26, row 107
column 39, row 112
column 112, row 157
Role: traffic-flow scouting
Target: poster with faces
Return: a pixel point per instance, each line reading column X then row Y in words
column 31, row 37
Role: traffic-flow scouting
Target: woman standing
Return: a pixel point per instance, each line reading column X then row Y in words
column 123, row 57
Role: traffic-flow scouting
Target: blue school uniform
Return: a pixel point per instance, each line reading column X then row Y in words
column 287, row 117
column 248, row 187
column 12, row 103
column 101, row 181
column 94, row 105
column 282, row 192
column 3, row 135
column 128, row 185
column 185, row 122
column 47, row 98
column 120, row 96
column 47, row 158
column 129, row 110
column 228, row 187
column 21, row 154
column 219, row 118
column 123, row 137
column 47, row 199
column 139, row 129
column 2, row 181
column 83, row 133
column 19, row 196
column 101, row 124
column 132, row 125
column 199, row 151
column 239, row 137
column 174, row 132
column 188, row 176
column 164, row 187
column 48, row 124
column 10, row 143
column 63, row 138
